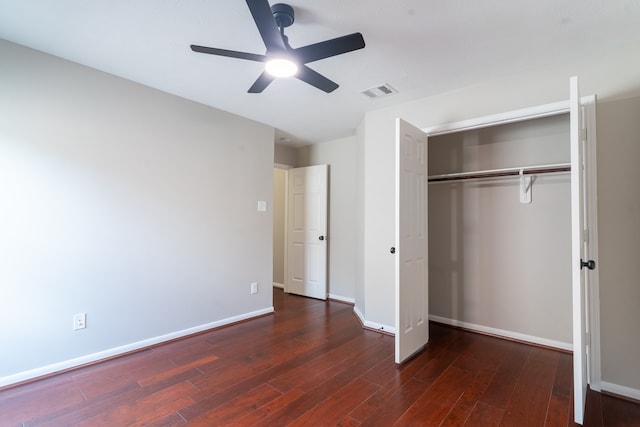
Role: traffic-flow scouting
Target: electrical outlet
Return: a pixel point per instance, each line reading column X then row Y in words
column 254, row 287
column 79, row 321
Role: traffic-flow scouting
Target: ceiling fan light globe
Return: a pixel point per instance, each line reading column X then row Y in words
column 281, row 67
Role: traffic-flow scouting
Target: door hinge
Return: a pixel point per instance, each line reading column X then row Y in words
column 587, row 338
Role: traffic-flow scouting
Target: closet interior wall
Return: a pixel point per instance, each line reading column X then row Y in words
column 496, row 264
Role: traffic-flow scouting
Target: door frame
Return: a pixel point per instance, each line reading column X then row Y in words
column 589, row 120
column 287, row 169
column 284, row 168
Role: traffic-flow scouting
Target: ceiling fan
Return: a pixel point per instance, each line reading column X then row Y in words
column 281, row 60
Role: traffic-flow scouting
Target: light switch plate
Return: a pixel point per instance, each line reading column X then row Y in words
column 262, row 206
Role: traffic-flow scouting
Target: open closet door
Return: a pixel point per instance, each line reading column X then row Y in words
column 578, row 251
column 307, row 231
column 411, row 251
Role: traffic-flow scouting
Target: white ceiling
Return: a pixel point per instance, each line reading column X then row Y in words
column 419, row 47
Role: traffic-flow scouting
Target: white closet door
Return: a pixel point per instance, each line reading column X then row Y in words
column 579, row 265
column 411, row 251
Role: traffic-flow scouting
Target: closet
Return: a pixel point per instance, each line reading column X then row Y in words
column 509, row 203
column 500, row 230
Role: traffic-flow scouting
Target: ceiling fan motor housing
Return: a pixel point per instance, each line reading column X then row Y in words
column 283, row 14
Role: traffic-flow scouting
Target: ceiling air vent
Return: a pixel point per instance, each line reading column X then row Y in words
column 378, row 91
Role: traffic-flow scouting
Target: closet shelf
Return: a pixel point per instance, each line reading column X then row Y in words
column 495, row 173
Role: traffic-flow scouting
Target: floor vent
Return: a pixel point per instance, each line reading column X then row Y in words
column 378, row 91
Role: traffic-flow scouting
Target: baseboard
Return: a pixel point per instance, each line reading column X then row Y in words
column 278, row 285
column 503, row 333
column 620, row 390
column 128, row 348
column 374, row 326
column 342, row 299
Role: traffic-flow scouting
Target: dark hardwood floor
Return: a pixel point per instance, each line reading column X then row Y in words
column 312, row 364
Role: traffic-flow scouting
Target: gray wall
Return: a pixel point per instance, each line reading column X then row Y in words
column 285, row 155
column 495, row 262
column 619, row 233
column 132, row 205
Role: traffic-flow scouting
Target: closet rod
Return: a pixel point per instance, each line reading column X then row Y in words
column 493, row 173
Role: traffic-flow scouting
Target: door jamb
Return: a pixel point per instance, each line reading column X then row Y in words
column 286, row 218
column 593, row 278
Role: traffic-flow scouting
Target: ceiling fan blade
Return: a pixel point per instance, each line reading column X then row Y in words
column 261, row 83
column 328, row 48
column 229, row 53
column 266, row 23
column 316, row 79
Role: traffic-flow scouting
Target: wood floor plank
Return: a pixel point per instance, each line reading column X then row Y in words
column 619, row 412
column 77, row 413
column 146, row 410
column 484, row 415
column 348, row 422
column 226, row 414
column 436, row 403
column 444, row 356
column 245, row 384
column 231, row 371
column 337, row 406
column 530, row 400
column 183, row 352
column 559, row 404
column 325, row 365
column 120, row 375
column 468, row 402
column 326, row 389
column 266, row 410
column 391, row 374
column 594, row 413
column 171, row 420
column 483, row 353
column 311, row 363
column 178, row 371
column 25, row 406
column 386, row 406
column 501, row 387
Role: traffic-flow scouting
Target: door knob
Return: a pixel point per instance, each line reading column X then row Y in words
column 591, row 264
column 321, row 237
column 392, row 250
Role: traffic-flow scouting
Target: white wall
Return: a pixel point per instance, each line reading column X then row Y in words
column 131, row 205
column 619, row 236
column 340, row 155
column 495, row 262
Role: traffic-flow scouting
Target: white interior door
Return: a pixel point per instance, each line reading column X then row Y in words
column 579, row 264
column 411, row 251
column 307, row 231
